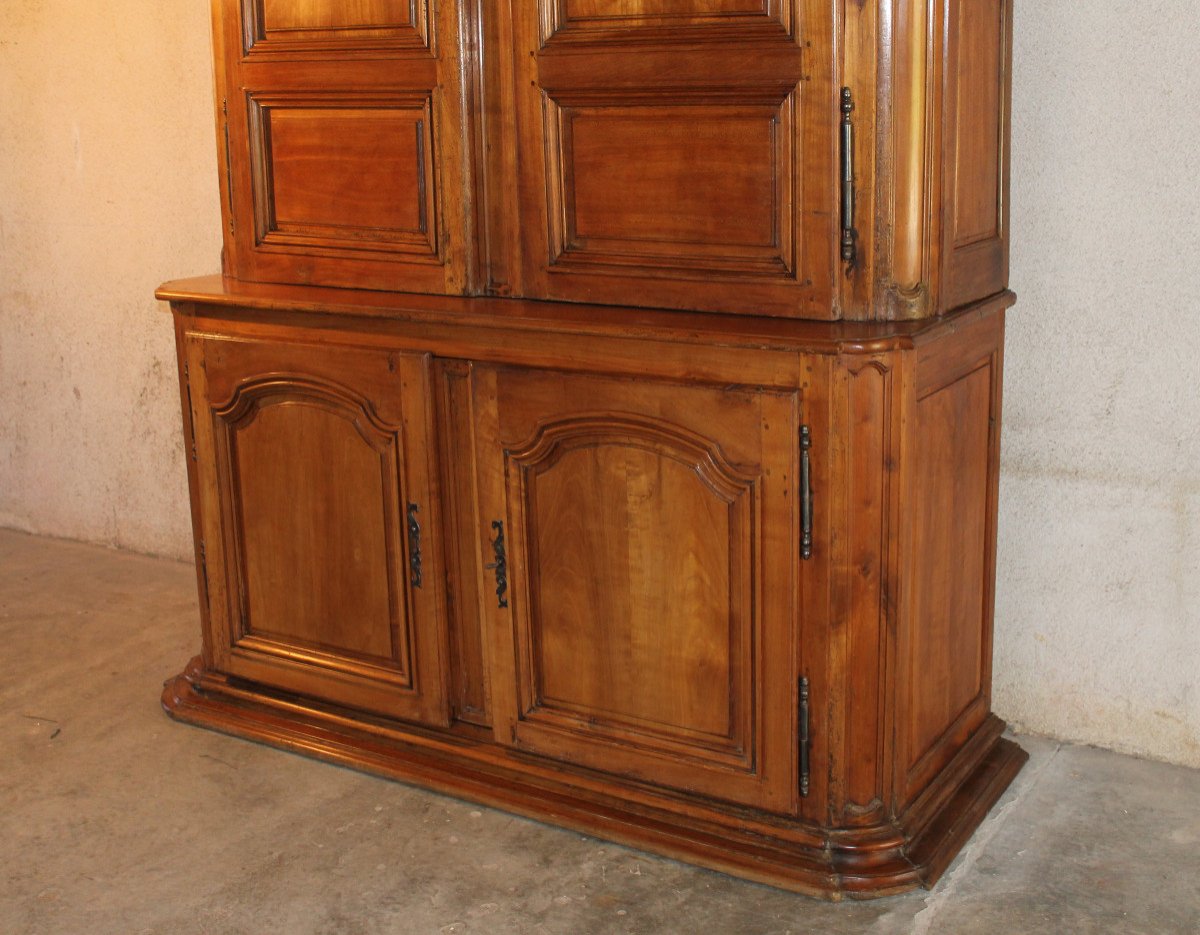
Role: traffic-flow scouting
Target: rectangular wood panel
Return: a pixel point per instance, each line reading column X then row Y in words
column 947, row 661
column 975, row 136
column 334, row 14
column 468, row 672
column 344, row 174
column 978, row 154
column 688, row 184
column 611, row 9
column 274, row 28
column 663, row 20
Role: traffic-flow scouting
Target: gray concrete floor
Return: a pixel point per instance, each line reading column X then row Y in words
column 114, row 819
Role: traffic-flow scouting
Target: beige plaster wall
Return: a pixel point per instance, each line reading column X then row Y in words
column 1098, row 603
column 108, row 186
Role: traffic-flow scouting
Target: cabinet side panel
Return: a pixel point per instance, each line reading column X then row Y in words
column 945, row 646
column 975, row 150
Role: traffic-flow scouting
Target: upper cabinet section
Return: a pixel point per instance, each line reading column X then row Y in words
column 678, row 154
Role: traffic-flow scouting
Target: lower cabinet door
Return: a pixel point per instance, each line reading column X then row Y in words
column 640, row 545
column 317, row 523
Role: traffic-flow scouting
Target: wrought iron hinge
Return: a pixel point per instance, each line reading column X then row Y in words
column 849, row 233
column 191, row 415
column 803, row 738
column 414, row 546
column 228, row 164
column 806, row 498
column 204, row 574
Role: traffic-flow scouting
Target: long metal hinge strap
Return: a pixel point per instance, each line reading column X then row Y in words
column 804, row 741
column 806, row 497
column 228, row 161
column 204, row 574
column 849, row 234
column 414, row 546
column 191, row 415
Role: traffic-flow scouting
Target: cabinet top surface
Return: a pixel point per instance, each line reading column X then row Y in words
column 235, row 297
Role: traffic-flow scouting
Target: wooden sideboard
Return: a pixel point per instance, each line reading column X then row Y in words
column 598, row 415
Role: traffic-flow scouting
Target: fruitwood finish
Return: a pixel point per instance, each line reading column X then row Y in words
column 706, row 568
column 683, row 154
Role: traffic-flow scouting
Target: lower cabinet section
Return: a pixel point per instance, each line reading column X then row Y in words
column 724, row 594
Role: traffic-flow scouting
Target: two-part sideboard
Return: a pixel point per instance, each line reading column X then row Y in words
column 597, row 415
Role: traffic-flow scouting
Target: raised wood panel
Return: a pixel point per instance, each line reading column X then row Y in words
column 975, row 150
column 275, row 27
column 978, row 157
column 674, row 185
column 344, row 173
column 314, row 480
column 334, row 14
column 570, row 20
column 621, row 9
column 637, row 549
column 949, row 643
column 650, row 531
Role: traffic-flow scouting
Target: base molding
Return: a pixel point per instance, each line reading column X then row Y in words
column 912, row 851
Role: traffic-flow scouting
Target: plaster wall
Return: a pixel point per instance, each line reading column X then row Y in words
column 1098, row 590
column 108, row 186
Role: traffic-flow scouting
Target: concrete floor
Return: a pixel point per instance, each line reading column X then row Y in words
column 117, row 820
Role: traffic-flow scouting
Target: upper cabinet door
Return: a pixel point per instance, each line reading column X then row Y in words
column 343, row 139
column 678, row 153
